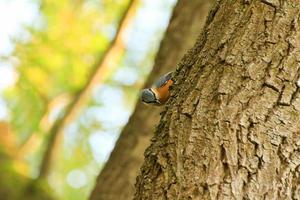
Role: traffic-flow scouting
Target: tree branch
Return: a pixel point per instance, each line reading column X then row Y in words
column 102, row 69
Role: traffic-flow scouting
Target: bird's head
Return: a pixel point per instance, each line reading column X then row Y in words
column 148, row 96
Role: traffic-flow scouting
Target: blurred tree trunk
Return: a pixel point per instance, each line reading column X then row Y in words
column 116, row 180
column 232, row 131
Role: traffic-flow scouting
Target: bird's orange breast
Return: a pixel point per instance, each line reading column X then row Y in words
column 163, row 92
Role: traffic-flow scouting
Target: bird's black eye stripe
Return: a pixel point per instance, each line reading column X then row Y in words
column 155, row 101
column 155, row 97
column 148, row 96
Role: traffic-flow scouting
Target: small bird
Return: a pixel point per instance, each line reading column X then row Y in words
column 159, row 93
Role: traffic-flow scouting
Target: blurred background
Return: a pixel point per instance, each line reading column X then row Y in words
column 70, row 76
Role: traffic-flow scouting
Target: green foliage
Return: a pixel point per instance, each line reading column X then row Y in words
column 14, row 186
column 57, row 59
column 59, row 56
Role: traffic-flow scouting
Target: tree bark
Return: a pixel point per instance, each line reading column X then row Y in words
column 116, row 180
column 232, row 127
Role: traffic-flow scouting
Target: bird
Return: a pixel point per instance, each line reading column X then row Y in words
column 159, row 93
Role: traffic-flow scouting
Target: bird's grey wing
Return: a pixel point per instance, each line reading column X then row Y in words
column 163, row 80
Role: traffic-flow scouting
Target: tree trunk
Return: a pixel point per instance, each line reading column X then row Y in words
column 116, row 180
column 232, row 127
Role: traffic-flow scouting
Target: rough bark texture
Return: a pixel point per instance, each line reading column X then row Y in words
column 232, row 127
column 117, row 179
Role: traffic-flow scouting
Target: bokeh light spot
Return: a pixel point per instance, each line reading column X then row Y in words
column 77, row 178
